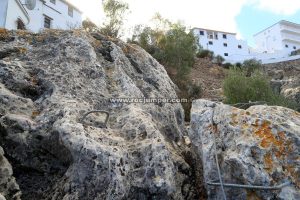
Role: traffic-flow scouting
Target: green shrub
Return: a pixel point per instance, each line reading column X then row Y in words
column 251, row 65
column 238, row 65
column 219, row 60
column 240, row 88
column 227, row 65
column 204, row 53
column 190, row 91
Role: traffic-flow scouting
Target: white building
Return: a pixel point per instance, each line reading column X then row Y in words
column 223, row 43
column 36, row 15
column 282, row 37
column 13, row 14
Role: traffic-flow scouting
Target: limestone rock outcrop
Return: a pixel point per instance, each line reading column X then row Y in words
column 258, row 146
column 49, row 80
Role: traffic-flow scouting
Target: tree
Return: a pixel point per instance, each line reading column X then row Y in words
column 88, row 25
column 114, row 11
column 169, row 43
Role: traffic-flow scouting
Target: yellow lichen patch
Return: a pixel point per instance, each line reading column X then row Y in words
column 251, row 195
column 3, row 34
column 268, row 162
column 234, row 117
column 293, row 174
column 127, row 49
column 245, row 126
column 34, row 80
column 35, row 114
column 22, row 50
column 213, row 128
column 268, row 138
column 97, row 43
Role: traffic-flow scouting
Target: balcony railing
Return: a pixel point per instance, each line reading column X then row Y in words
column 285, row 28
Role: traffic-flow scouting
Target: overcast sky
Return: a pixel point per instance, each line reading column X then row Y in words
column 225, row 15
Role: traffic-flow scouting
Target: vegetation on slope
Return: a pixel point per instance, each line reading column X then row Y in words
column 250, row 84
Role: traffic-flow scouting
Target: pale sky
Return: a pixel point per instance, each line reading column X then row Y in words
column 212, row 14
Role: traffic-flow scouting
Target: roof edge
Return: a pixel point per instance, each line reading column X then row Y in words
column 281, row 21
column 71, row 4
column 214, row 30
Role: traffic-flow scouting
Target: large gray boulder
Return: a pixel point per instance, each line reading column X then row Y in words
column 258, row 146
column 49, row 80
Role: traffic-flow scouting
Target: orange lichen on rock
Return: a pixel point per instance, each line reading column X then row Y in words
column 3, row 33
column 234, row 117
column 268, row 161
column 268, row 138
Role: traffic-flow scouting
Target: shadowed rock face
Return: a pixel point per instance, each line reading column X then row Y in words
column 257, row 146
column 49, row 80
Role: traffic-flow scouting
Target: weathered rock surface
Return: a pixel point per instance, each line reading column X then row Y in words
column 257, row 146
column 46, row 86
column 9, row 189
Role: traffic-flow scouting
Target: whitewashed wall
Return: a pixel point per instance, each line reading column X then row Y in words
column 269, row 40
column 3, row 7
column 10, row 11
column 58, row 12
column 234, row 53
column 272, row 39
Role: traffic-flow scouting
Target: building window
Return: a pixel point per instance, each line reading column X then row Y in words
column 295, row 47
column 201, row 32
column 53, row 1
column 216, row 36
column 239, row 46
column 20, row 25
column 47, row 22
column 70, row 11
column 225, row 54
column 287, row 46
column 224, row 36
column 225, row 44
column 210, row 43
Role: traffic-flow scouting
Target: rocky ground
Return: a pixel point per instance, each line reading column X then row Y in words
column 210, row 76
column 48, row 81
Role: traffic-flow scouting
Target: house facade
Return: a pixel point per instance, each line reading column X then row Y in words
column 222, row 43
column 40, row 14
column 13, row 14
column 283, row 36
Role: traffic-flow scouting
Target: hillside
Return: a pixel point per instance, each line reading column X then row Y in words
column 210, row 76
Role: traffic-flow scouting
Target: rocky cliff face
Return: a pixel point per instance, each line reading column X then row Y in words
column 258, row 146
column 48, row 81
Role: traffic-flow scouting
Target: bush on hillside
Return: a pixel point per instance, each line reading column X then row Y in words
column 219, row 60
column 204, row 53
column 227, row 65
column 172, row 45
column 251, row 66
column 238, row 87
column 114, row 11
column 238, row 65
column 190, row 91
